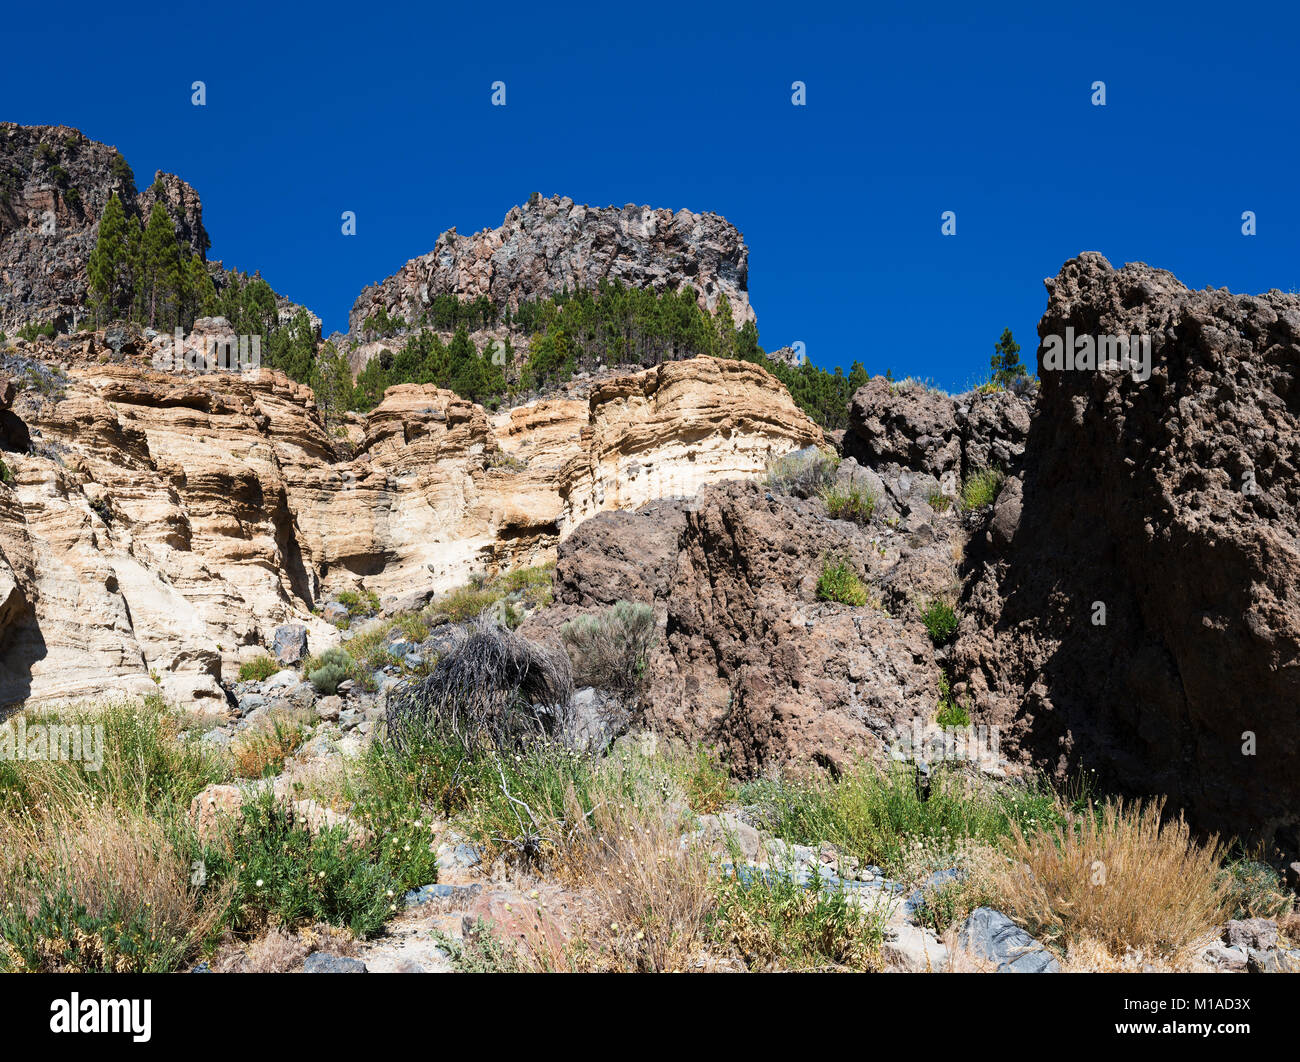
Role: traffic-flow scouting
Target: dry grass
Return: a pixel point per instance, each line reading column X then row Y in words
column 1118, row 878
column 1288, row 925
column 652, row 893
column 100, row 868
column 261, row 752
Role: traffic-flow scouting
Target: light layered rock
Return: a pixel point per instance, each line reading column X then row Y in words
column 667, row 432
column 167, row 522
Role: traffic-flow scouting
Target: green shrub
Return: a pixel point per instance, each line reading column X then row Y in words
column 329, row 669
column 1255, row 889
column 838, row 582
column 63, row 935
column 611, row 649
column 776, row 923
column 939, row 501
column 802, row 474
column 877, row 815
column 149, row 765
column 853, row 504
column 706, row 780
column 285, row 872
column 981, row 489
column 950, row 713
column 259, row 669
column 940, row 619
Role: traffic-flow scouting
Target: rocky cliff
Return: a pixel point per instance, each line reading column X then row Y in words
column 54, row 185
column 1135, row 609
column 552, row 244
column 160, row 525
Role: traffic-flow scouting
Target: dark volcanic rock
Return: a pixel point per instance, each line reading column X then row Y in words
column 911, row 426
column 550, row 244
column 1173, row 503
column 54, row 185
column 747, row 657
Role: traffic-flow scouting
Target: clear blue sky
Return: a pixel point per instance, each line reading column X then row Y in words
column 912, row 110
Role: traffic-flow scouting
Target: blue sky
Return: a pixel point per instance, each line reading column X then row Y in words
column 911, row 110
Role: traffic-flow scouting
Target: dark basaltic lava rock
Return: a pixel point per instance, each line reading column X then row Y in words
column 1174, row 505
column 747, row 657
column 907, row 425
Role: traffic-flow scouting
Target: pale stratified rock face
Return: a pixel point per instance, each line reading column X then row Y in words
column 667, row 432
column 168, row 522
column 552, row 244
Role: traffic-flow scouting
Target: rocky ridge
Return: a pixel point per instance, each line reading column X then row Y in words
column 548, row 245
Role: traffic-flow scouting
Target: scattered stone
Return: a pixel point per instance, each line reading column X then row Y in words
column 914, row 950
column 290, row 644
column 1229, row 960
column 335, row 613
column 992, row 936
column 719, row 832
column 1246, row 933
column 325, row 962
column 456, row 894
column 328, row 708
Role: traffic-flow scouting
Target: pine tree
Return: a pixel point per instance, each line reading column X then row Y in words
column 109, row 264
column 161, row 261
column 1006, row 361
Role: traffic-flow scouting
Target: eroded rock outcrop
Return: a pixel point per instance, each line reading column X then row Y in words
column 1138, row 610
column 165, row 523
column 912, row 426
column 54, row 185
column 552, row 244
column 747, row 656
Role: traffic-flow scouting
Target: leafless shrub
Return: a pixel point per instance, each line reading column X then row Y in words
column 491, row 691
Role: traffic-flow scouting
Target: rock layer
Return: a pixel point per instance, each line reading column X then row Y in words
column 167, row 522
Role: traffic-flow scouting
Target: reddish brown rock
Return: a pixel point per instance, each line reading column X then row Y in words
column 1175, row 504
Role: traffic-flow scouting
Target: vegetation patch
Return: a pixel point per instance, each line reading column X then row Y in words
column 610, row 650
column 840, row 583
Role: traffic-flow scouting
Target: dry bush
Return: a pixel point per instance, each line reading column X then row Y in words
column 1288, row 925
column 277, row 950
column 273, row 951
column 79, row 877
column 652, row 893
column 262, row 751
column 1119, row 878
column 610, row 650
column 493, row 690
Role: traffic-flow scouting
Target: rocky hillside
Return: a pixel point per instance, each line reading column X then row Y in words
column 54, row 185
column 156, row 527
column 549, row 245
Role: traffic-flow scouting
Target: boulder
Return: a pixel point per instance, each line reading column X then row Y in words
column 1146, row 622
column 290, row 643
column 992, row 936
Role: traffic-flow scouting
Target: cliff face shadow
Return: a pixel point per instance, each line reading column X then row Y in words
column 21, row 647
